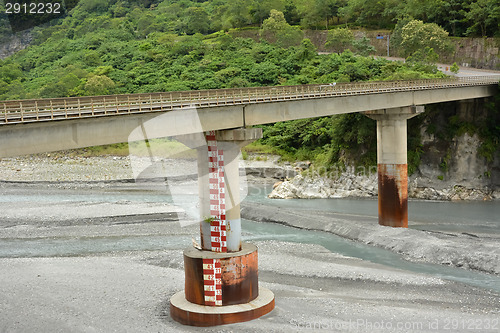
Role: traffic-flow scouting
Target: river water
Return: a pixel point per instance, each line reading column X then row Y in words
column 474, row 217
column 471, row 217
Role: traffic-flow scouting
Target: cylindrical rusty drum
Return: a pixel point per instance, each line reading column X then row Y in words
column 237, row 276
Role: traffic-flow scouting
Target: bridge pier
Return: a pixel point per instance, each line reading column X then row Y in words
column 218, row 170
column 221, row 278
column 392, row 163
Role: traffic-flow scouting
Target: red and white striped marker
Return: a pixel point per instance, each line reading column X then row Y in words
column 212, row 282
column 217, row 194
column 212, row 267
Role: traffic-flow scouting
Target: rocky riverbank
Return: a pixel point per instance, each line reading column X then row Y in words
column 292, row 181
column 352, row 184
column 314, row 186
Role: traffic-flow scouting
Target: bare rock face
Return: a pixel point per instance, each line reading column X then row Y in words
column 459, row 164
column 348, row 184
column 466, row 164
column 452, row 170
column 15, row 43
column 464, row 176
column 467, row 177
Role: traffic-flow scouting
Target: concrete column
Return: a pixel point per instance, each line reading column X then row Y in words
column 392, row 164
column 229, row 143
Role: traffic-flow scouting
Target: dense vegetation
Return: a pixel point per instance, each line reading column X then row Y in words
column 121, row 47
column 110, row 47
column 459, row 17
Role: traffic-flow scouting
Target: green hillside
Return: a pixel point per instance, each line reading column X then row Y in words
column 459, row 17
column 142, row 46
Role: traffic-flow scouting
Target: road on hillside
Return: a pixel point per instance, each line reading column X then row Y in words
column 463, row 72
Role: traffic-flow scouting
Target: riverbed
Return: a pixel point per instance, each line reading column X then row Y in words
column 106, row 254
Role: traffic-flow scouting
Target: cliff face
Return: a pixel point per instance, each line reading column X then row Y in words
column 14, row 43
column 454, row 165
column 477, row 52
column 453, row 162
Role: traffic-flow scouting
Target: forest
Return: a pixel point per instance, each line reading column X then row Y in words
column 458, row 17
column 115, row 47
column 145, row 46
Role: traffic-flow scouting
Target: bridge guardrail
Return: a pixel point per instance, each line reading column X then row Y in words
column 33, row 110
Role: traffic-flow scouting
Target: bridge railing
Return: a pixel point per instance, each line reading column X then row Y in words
column 33, row 110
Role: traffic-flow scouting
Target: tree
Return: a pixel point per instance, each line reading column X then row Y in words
column 290, row 36
column 91, row 58
column 339, row 39
column 195, row 20
column 424, row 60
column 274, row 23
column 426, row 55
column 14, row 90
column 453, row 19
column 265, row 73
column 119, row 9
column 396, row 38
column 417, row 35
column 306, row 51
column 291, row 13
column 99, row 85
column 260, row 9
column 425, row 10
column 90, row 6
column 275, row 29
column 368, row 13
column 484, row 16
column 144, row 25
column 363, row 46
column 10, row 72
column 66, row 86
column 4, row 88
column 237, row 15
column 317, row 12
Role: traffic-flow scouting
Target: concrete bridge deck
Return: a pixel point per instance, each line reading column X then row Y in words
column 35, row 110
column 42, row 125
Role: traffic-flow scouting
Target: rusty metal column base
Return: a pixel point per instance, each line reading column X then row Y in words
column 393, row 195
column 221, row 288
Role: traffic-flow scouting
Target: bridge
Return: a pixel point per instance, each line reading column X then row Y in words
column 223, row 118
column 42, row 125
